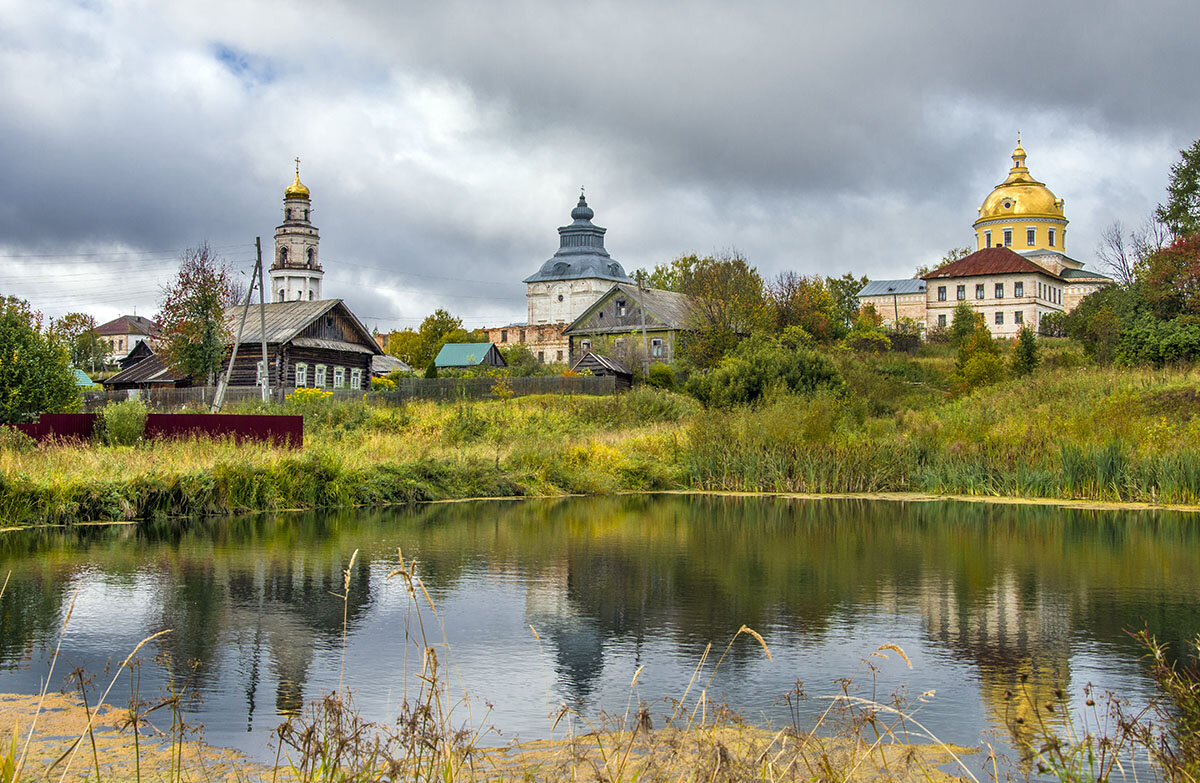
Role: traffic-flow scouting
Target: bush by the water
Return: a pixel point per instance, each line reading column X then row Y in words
column 758, row 364
column 122, row 423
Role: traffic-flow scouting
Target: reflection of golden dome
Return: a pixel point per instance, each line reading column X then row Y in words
column 1021, row 195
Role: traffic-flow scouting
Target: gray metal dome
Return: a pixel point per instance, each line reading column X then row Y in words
column 581, row 252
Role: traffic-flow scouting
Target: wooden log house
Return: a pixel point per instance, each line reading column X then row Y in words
column 318, row 344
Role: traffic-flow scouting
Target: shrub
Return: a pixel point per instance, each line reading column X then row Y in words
column 964, row 324
column 1052, row 325
column 755, row 366
column 383, row 384
column 123, row 423
column 660, row 375
column 868, row 340
column 431, row 371
column 15, row 441
column 1026, row 355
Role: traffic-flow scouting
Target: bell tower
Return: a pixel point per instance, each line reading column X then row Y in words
column 296, row 269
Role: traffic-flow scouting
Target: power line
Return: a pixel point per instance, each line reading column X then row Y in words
column 175, row 252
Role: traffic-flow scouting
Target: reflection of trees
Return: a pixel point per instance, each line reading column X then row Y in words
column 1003, row 587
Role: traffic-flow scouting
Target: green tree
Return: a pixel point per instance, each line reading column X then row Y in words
column 521, row 361
column 979, row 362
column 1026, row 354
column 796, row 300
column 1171, row 278
column 192, row 314
column 35, row 372
column 844, row 291
column 405, row 345
column 1181, row 213
column 77, row 332
column 726, row 304
column 438, row 329
column 963, row 324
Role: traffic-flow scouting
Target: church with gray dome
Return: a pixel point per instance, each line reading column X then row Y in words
column 567, row 284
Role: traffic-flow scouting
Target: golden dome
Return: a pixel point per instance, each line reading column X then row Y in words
column 1020, row 195
column 296, row 189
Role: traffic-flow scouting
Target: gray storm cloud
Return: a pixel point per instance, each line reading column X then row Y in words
column 444, row 142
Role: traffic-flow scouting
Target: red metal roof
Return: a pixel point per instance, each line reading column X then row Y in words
column 989, row 261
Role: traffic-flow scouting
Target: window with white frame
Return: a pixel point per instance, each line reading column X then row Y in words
column 1031, row 236
column 961, row 292
column 656, row 348
column 301, row 375
column 979, row 290
column 585, row 345
column 356, row 378
column 1008, row 237
column 999, row 290
column 987, row 238
column 620, row 308
column 1051, row 233
column 320, row 376
column 339, row 377
column 260, row 372
column 1018, row 289
column 941, row 293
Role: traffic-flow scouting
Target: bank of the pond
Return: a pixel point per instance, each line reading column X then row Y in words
column 1102, row 436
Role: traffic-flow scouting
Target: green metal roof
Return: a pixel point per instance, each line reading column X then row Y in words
column 462, row 354
column 82, row 379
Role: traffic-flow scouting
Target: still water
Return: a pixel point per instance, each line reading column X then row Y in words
column 978, row 596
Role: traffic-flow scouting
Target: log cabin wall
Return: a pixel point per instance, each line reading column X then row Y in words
column 283, row 365
column 332, row 326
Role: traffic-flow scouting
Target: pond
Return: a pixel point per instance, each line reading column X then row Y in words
column 984, row 599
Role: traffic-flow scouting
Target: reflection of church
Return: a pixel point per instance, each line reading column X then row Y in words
column 1019, row 643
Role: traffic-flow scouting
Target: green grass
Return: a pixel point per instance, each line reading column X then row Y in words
column 1064, row 432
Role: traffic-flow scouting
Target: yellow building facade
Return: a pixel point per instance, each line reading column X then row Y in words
column 1019, row 272
column 1021, row 213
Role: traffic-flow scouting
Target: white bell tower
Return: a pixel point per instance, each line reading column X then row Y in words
column 296, row 269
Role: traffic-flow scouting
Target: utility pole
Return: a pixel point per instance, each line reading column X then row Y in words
column 262, row 319
column 645, row 345
column 223, row 384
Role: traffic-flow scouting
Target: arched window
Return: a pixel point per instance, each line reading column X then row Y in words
column 280, row 299
column 310, row 295
column 283, row 255
column 312, row 256
column 306, row 214
column 287, row 214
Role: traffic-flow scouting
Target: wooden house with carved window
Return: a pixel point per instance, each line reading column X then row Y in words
column 310, row 344
column 630, row 324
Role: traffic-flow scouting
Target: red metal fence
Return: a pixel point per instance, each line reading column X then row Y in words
column 280, row 430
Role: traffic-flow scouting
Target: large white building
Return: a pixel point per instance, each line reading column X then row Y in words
column 567, row 284
column 1019, row 273
column 296, row 269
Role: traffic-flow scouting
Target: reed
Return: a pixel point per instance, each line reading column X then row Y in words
column 1081, row 433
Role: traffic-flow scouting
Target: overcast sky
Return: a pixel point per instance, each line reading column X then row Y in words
column 444, row 142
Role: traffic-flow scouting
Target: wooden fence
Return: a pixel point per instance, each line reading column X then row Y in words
column 444, row 389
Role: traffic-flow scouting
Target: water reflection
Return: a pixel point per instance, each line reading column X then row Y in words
column 988, row 600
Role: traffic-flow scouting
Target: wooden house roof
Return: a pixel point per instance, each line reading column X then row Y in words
column 286, row 320
column 591, row 359
column 465, row 355
column 152, row 369
column 669, row 308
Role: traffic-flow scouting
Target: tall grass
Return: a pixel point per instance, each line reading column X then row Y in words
column 1119, row 435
